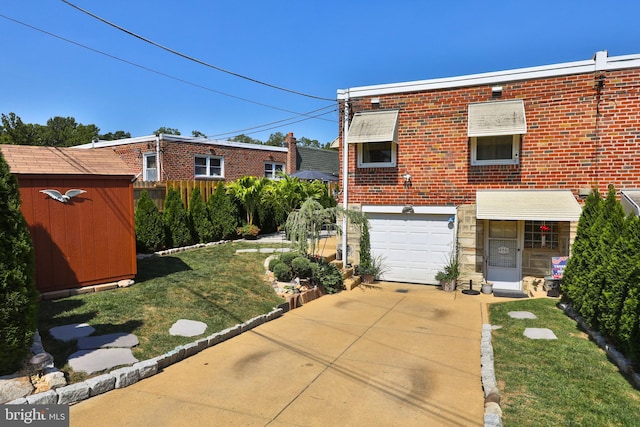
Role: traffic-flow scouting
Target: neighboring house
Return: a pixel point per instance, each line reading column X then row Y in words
column 176, row 157
column 493, row 165
column 87, row 239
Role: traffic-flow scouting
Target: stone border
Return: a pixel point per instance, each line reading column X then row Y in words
column 492, row 410
column 128, row 375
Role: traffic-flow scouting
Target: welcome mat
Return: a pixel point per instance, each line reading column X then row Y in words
column 506, row 293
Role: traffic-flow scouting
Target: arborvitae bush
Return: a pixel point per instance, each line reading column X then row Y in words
column 282, row 272
column 18, row 294
column 272, row 262
column 150, row 230
column 365, row 248
column 223, row 214
column 176, row 220
column 267, row 217
column 301, row 267
column 199, row 215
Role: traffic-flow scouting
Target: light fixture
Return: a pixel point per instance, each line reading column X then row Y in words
column 584, row 192
column 408, row 209
column 496, row 91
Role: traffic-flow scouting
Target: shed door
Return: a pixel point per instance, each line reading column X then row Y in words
column 414, row 246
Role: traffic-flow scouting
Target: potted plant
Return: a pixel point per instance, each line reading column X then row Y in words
column 449, row 275
column 372, row 270
column 248, row 231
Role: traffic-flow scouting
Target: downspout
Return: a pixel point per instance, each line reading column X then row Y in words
column 345, row 179
column 158, row 161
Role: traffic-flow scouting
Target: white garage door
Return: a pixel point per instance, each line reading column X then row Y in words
column 414, row 246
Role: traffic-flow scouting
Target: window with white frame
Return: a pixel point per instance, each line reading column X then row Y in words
column 377, row 154
column 541, row 234
column 208, row 167
column 150, row 167
column 495, row 150
column 273, row 170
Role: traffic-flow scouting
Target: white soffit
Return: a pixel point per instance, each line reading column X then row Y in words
column 497, row 118
column 532, row 205
column 374, row 126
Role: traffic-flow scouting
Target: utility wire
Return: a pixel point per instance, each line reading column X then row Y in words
column 160, row 73
column 191, row 58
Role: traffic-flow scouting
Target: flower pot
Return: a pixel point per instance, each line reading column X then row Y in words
column 487, row 288
column 449, row 285
column 367, row 278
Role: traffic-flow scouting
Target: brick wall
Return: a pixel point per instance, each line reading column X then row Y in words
column 178, row 158
column 579, row 136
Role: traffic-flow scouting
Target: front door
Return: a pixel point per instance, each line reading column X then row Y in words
column 504, row 254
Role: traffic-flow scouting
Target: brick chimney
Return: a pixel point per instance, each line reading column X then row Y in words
column 292, row 153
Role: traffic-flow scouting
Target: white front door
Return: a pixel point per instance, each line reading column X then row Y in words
column 504, row 261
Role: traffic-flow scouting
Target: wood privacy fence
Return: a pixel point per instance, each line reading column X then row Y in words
column 158, row 190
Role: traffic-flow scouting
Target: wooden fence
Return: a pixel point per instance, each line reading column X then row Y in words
column 158, row 190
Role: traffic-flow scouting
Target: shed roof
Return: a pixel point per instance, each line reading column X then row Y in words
column 32, row 160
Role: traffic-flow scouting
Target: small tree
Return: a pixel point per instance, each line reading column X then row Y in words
column 304, row 225
column 249, row 191
column 150, row 231
column 18, row 294
column 223, row 214
column 202, row 227
column 176, row 220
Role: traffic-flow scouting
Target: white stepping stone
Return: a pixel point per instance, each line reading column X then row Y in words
column 188, row 328
column 119, row 339
column 91, row 361
column 540, row 334
column 521, row 315
column 71, row 332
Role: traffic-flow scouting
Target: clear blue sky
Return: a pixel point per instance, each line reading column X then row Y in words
column 310, row 46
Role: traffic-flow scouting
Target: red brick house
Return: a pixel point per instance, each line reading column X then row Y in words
column 493, row 164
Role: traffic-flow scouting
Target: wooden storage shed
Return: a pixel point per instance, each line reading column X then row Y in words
column 83, row 240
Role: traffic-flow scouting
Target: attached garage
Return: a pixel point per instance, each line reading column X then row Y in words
column 415, row 245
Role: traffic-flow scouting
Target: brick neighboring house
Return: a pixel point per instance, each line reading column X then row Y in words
column 493, row 164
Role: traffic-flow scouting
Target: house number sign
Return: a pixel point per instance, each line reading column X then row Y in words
column 503, row 250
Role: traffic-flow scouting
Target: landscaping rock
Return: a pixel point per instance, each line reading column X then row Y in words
column 540, row 334
column 91, row 361
column 13, row 387
column 71, row 332
column 121, row 340
column 101, row 384
column 188, row 328
column 522, row 315
column 49, row 397
column 72, row 393
column 125, row 376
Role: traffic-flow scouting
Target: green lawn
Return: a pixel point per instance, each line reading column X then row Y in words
column 563, row 382
column 213, row 285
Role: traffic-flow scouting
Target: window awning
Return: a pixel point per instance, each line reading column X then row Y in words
column 497, row 118
column 374, row 126
column 533, row 205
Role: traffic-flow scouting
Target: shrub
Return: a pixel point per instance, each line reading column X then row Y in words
column 273, row 261
column 150, row 230
column 19, row 307
column 282, row 272
column 248, row 231
column 176, row 220
column 329, row 277
column 301, row 267
column 287, row 257
column 223, row 214
column 199, row 216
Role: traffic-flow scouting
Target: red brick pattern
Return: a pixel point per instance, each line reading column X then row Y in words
column 578, row 136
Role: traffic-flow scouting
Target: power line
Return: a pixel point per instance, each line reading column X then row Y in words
column 191, row 58
column 160, row 73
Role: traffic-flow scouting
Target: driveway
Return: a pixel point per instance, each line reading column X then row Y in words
column 385, row 355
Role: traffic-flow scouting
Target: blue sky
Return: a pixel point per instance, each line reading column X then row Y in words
column 308, row 46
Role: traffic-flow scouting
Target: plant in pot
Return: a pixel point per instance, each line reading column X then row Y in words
column 449, row 275
column 372, row 270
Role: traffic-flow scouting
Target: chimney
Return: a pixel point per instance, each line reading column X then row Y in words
column 292, row 153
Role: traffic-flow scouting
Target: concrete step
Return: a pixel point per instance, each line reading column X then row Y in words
column 348, row 272
column 351, row 282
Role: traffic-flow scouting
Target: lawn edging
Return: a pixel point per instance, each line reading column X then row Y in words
column 128, row 375
column 492, row 410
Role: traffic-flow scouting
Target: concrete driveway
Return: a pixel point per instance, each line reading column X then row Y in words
column 390, row 354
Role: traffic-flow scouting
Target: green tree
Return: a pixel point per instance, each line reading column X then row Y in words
column 15, row 131
column 176, row 220
column 309, row 142
column 198, row 134
column 249, row 191
column 202, row 227
column 19, row 307
column 114, row 136
column 223, row 214
column 276, row 140
column 166, row 131
column 246, row 139
column 66, row 132
column 150, row 230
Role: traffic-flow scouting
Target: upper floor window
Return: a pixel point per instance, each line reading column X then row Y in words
column 208, row 167
column 150, row 167
column 376, row 133
column 495, row 150
column 273, row 170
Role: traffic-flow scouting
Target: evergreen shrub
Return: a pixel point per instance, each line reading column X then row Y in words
column 176, row 220
column 150, row 230
column 282, row 272
column 301, row 267
column 199, row 217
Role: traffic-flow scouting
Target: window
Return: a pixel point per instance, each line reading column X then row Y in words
column 377, row 154
column 208, row 167
column 273, row 170
column 495, row 150
column 150, row 167
column 541, row 234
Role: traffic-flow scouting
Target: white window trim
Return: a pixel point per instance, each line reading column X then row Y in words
column 391, row 164
column 208, row 157
column 145, row 156
column 515, row 153
column 274, row 172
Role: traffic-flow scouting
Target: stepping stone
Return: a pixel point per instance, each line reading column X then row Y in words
column 540, row 334
column 267, row 250
column 120, row 339
column 521, row 315
column 71, row 332
column 188, row 328
column 91, row 361
column 244, row 251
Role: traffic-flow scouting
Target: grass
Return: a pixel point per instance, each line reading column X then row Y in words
column 563, row 382
column 213, row 285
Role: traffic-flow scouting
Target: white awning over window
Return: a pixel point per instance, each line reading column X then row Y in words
column 497, row 118
column 532, row 205
column 374, row 126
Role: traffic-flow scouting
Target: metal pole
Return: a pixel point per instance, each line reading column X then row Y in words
column 345, row 179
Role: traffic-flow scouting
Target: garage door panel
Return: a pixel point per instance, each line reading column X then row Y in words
column 414, row 247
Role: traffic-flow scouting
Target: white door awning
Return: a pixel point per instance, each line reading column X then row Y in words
column 532, row 205
column 374, row 126
column 497, row 118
